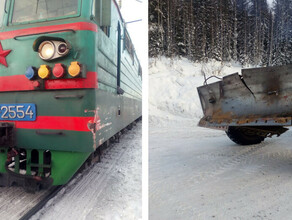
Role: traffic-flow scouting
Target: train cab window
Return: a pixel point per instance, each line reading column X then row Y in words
column 2, row 4
column 106, row 30
column 32, row 10
column 103, row 15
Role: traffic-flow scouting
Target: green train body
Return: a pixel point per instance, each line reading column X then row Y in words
column 48, row 125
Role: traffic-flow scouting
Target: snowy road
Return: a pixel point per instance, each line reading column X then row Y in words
column 197, row 173
column 111, row 189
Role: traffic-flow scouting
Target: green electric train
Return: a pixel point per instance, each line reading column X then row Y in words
column 69, row 81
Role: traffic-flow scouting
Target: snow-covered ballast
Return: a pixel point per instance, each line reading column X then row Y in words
column 256, row 103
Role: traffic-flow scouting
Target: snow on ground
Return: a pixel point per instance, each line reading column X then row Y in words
column 110, row 189
column 15, row 202
column 198, row 173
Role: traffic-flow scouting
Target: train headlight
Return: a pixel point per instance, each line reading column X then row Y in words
column 49, row 50
column 62, row 48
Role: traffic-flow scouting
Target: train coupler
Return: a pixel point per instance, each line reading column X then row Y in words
column 31, row 185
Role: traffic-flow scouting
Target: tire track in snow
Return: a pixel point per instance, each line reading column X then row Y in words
column 226, row 162
column 243, row 182
column 229, row 162
column 222, row 161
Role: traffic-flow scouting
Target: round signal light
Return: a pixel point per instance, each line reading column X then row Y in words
column 44, row 72
column 36, row 84
column 74, row 69
column 58, row 70
column 30, row 72
column 63, row 49
column 47, row 50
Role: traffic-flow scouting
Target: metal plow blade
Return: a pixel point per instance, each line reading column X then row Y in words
column 258, row 97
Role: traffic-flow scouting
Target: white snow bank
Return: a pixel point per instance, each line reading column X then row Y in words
column 173, row 86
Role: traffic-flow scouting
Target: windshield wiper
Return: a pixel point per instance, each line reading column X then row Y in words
column 5, row 7
column 37, row 7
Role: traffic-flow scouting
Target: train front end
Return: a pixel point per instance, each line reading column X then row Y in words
column 47, row 91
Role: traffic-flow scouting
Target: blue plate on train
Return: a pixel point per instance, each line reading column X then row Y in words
column 18, row 112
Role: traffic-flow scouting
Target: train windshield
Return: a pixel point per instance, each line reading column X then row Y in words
column 2, row 3
column 34, row 10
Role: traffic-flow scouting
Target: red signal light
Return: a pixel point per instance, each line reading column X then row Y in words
column 59, row 70
column 36, row 84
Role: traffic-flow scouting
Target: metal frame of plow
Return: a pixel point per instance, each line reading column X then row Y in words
column 258, row 97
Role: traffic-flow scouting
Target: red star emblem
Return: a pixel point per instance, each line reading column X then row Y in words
column 3, row 54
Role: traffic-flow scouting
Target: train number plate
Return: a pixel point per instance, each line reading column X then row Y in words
column 18, row 112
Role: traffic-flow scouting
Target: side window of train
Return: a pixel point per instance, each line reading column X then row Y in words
column 140, row 71
column 128, row 45
column 103, row 14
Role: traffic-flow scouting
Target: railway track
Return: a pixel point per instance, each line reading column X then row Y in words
column 15, row 203
column 49, row 195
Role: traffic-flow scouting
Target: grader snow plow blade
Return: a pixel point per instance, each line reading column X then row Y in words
column 258, row 97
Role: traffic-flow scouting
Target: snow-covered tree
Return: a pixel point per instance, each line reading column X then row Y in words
column 248, row 31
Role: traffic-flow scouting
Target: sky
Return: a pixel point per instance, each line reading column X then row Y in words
column 134, row 10
column 270, row 2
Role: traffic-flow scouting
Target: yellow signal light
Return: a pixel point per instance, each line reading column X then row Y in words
column 74, row 69
column 44, row 72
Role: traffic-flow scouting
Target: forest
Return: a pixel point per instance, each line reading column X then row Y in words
column 248, row 31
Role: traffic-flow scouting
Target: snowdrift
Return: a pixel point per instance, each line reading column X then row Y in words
column 173, row 83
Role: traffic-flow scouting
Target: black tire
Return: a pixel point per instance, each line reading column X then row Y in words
column 239, row 136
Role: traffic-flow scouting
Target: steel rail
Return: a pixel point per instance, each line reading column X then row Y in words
column 49, row 195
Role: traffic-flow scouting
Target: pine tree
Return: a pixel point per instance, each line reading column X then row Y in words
column 247, row 31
